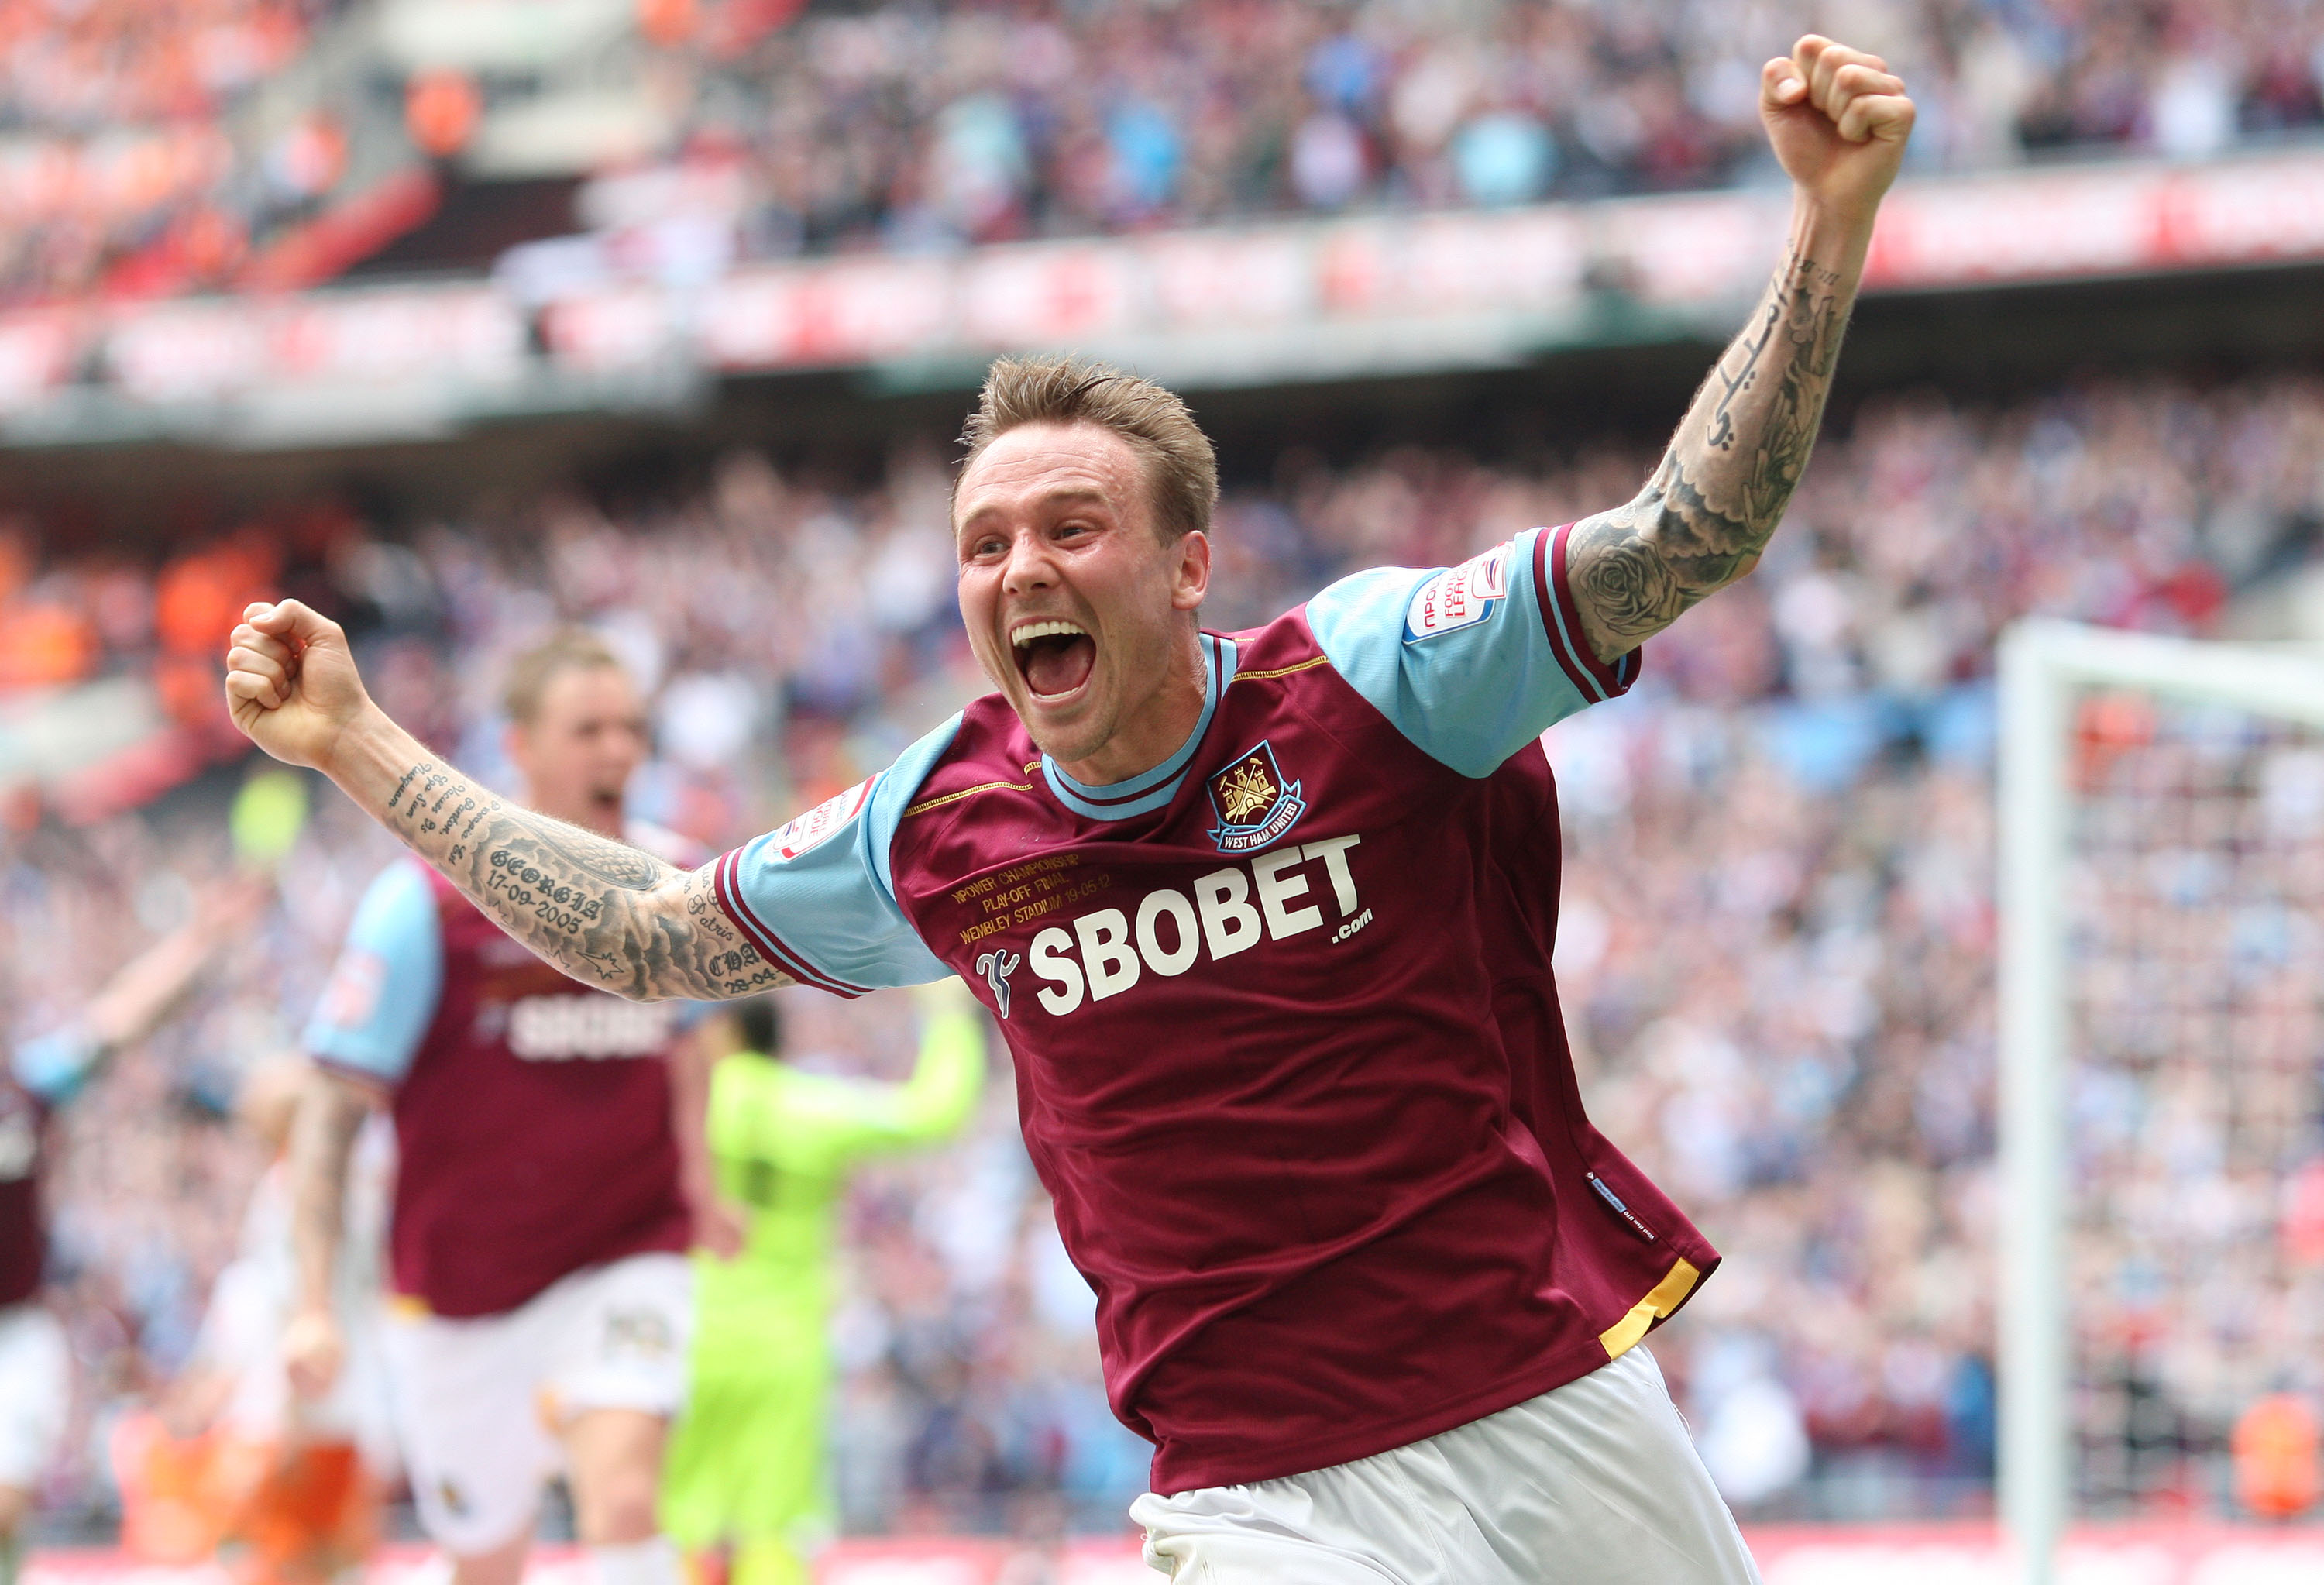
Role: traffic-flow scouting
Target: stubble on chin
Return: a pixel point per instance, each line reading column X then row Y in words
column 1070, row 744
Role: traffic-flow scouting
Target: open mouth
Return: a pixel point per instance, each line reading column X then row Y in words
column 1054, row 657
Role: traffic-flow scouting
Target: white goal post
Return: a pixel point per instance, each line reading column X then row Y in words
column 2045, row 668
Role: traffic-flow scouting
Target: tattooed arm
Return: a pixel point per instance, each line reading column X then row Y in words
column 1838, row 121
column 1716, row 497
column 602, row 911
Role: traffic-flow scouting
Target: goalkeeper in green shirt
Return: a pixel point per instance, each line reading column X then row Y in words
column 745, row 1467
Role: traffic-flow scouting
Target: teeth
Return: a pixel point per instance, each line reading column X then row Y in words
column 1024, row 635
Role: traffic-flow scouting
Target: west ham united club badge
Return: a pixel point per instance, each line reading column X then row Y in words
column 1255, row 804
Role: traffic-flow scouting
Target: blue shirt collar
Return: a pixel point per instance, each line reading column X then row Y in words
column 1149, row 789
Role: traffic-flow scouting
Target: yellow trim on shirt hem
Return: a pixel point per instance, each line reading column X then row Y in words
column 1677, row 1283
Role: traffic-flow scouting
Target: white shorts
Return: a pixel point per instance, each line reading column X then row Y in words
column 1593, row 1483
column 35, row 1393
column 480, row 1403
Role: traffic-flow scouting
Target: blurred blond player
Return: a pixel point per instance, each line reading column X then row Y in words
column 746, row 1462
column 549, row 1169
column 35, row 1366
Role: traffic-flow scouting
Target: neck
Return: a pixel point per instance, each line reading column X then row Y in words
column 1152, row 730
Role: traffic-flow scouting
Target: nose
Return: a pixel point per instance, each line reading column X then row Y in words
column 1028, row 567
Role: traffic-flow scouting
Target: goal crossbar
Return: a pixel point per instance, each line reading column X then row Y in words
column 2045, row 667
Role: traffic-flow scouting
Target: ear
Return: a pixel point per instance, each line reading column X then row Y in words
column 1190, row 579
column 515, row 744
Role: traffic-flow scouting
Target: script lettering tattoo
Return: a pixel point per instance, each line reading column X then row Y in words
column 1715, row 499
column 596, row 907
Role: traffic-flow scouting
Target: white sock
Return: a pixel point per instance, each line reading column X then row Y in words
column 651, row 1562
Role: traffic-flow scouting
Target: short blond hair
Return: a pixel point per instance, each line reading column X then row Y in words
column 1181, row 468
column 571, row 649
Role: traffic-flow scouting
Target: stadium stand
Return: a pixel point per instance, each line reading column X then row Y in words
column 148, row 152
column 979, row 124
column 121, row 170
column 1776, row 951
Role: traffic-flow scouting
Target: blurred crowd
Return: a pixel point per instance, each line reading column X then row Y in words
column 1776, row 944
column 131, row 162
column 2199, row 1186
column 122, row 168
column 917, row 127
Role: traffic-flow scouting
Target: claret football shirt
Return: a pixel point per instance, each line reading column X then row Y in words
column 1289, row 1053
column 532, row 1113
column 40, row 1076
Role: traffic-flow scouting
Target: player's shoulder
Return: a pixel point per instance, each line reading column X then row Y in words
column 389, row 974
column 988, row 751
column 852, row 830
column 406, row 891
column 1400, row 605
column 1282, row 649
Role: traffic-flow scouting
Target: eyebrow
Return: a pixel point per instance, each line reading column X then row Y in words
column 1064, row 494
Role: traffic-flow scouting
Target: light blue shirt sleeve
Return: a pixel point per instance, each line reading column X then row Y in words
column 1471, row 662
column 52, row 1065
column 384, row 989
column 817, row 898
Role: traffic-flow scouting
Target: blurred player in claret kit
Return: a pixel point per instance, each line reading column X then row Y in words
column 1266, row 918
column 42, row 1074
column 550, row 1174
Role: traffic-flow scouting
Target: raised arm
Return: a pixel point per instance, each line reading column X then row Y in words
column 817, row 1124
column 600, row 910
column 1838, row 121
column 140, row 995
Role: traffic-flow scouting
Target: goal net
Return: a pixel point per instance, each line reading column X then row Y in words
column 2161, row 1205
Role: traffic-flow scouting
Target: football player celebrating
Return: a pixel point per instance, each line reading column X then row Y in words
column 1265, row 919
column 551, row 1175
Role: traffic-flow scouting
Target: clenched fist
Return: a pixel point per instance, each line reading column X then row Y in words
column 291, row 684
column 1838, row 119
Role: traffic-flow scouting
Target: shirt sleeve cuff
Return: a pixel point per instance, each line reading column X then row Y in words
column 1595, row 679
column 359, row 1073
column 54, row 1065
column 771, row 946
